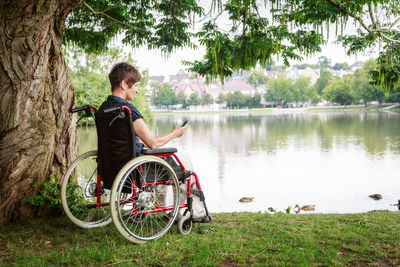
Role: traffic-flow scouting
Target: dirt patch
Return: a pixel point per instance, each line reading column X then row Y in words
column 229, row 261
column 232, row 223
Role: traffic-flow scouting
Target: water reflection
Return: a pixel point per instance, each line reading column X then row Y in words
column 244, row 133
column 333, row 160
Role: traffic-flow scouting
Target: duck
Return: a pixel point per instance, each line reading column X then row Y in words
column 376, row 196
column 297, row 208
column 246, row 199
column 271, row 209
column 398, row 204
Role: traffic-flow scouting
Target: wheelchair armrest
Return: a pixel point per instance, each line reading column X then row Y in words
column 163, row 150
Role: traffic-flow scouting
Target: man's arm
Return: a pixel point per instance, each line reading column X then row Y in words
column 151, row 141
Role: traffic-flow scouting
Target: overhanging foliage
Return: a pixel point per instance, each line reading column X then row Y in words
column 252, row 31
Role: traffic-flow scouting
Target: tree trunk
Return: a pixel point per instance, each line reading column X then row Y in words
column 37, row 132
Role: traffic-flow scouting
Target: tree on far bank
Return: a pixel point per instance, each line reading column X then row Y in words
column 304, row 91
column 257, row 79
column 221, row 98
column 181, row 99
column 339, row 91
column 362, row 87
column 207, row 100
column 282, row 89
column 194, row 99
column 163, row 94
column 254, row 101
column 271, row 97
column 324, row 78
column 236, row 100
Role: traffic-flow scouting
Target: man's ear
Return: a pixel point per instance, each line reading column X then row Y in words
column 124, row 85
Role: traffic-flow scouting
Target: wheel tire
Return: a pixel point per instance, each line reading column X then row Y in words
column 134, row 214
column 185, row 224
column 77, row 188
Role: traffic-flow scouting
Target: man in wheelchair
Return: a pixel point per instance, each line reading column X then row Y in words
column 124, row 80
column 142, row 188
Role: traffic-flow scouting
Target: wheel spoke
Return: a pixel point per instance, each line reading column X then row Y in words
column 150, row 200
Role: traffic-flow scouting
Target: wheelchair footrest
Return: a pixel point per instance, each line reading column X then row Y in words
column 205, row 219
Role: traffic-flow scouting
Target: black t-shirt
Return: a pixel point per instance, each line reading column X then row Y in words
column 115, row 101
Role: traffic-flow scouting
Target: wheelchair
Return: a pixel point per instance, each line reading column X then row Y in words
column 141, row 195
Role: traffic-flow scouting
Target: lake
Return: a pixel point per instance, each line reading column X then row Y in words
column 331, row 160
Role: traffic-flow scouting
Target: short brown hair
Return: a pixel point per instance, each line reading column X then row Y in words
column 123, row 71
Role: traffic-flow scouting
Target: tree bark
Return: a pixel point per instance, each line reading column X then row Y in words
column 37, row 131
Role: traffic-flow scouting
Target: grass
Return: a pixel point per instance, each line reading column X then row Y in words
column 231, row 239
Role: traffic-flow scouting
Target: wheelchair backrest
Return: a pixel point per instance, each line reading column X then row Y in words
column 116, row 144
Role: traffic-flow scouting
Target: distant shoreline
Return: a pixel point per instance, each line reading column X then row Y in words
column 349, row 108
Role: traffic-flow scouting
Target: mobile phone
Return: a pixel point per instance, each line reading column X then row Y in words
column 186, row 122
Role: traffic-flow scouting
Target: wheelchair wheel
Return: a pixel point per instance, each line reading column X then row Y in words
column 151, row 205
column 79, row 193
column 185, row 224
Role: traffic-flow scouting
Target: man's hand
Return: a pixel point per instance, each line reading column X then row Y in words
column 179, row 131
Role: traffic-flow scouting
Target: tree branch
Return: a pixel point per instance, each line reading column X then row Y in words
column 362, row 23
column 345, row 11
column 113, row 19
column 373, row 20
column 371, row 14
column 394, row 23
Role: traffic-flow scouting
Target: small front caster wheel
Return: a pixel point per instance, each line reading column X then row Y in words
column 185, row 224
